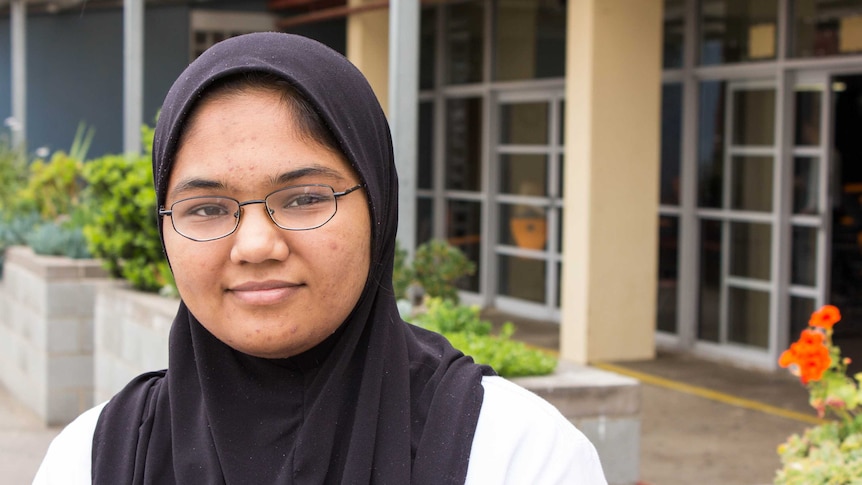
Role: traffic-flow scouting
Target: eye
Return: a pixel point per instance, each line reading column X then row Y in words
column 305, row 200
column 209, row 211
column 206, row 210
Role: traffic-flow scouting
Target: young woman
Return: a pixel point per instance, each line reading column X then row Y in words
column 288, row 361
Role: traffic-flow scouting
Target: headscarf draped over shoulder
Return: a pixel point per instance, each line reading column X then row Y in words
column 378, row 402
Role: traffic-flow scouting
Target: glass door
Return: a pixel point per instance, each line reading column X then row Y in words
column 808, row 187
column 736, row 214
column 527, row 186
column 845, row 210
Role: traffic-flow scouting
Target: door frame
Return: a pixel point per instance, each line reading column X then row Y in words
column 553, row 203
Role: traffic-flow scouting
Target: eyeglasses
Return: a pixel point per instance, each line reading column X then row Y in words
column 295, row 208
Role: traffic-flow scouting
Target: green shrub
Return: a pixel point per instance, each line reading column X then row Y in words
column 436, row 267
column 446, row 316
column 57, row 239
column 14, row 230
column 402, row 273
column 467, row 332
column 510, row 358
column 45, row 210
column 13, row 175
column 53, row 187
column 122, row 227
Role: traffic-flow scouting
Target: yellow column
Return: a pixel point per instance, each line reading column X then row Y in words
column 613, row 87
column 368, row 47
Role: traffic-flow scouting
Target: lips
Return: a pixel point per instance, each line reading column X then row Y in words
column 264, row 292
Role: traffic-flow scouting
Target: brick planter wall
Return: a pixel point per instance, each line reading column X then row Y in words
column 131, row 336
column 605, row 406
column 46, row 332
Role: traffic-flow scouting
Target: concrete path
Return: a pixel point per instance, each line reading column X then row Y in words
column 703, row 422
column 23, row 441
column 710, row 424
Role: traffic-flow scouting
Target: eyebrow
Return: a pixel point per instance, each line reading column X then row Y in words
column 314, row 170
column 286, row 178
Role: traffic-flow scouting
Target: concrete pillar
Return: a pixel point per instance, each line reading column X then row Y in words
column 613, row 88
column 368, row 47
column 133, row 75
column 403, row 114
column 19, row 72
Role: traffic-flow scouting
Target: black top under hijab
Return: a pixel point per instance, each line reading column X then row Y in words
column 378, row 402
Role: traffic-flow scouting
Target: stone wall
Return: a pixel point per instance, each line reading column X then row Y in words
column 131, row 336
column 605, row 406
column 46, row 332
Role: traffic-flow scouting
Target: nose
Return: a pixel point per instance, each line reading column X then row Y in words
column 258, row 239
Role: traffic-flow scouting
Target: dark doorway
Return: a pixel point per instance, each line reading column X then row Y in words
column 846, row 189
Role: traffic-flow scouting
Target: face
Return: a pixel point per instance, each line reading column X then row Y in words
column 263, row 290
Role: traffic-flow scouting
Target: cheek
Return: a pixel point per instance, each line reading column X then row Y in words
column 192, row 263
column 351, row 261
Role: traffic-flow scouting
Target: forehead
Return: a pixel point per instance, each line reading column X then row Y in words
column 252, row 138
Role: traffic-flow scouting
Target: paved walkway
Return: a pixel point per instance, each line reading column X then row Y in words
column 702, row 423
column 23, row 441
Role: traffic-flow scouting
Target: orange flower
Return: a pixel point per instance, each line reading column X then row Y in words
column 825, row 317
column 808, row 357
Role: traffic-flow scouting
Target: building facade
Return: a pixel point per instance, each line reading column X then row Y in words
column 671, row 172
column 759, row 216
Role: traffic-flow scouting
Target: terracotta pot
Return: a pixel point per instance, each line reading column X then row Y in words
column 529, row 232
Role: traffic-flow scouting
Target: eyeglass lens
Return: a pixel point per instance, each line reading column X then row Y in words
column 294, row 208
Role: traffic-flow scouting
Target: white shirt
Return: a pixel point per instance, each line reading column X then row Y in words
column 520, row 438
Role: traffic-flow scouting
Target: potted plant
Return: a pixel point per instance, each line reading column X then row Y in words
column 830, row 452
column 528, row 223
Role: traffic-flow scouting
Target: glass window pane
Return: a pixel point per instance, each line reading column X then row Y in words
column 530, row 39
column 428, row 48
column 751, row 187
column 754, row 117
column 668, row 272
column 424, row 220
column 465, row 32
column 737, row 30
column 425, row 157
column 710, row 280
column 803, row 269
column 806, row 183
column 524, row 123
column 561, row 186
column 748, row 317
column 671, row 139
column 562, row 118
column 464, row 231
column 524, row 226
column 801, row 309
column 711, row 144
column 559, row 231
column 522, row 278
column 826, row 28
column 808, row 117
column 464, row 144
column 750, row 249
column 523, row 174
column 559, row 284
column 674, row 28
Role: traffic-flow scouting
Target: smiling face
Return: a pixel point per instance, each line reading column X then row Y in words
column 263, row 290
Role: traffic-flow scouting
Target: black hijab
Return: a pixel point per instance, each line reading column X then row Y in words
column 378, row 402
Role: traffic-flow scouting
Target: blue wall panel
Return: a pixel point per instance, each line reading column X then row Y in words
column 75, row 73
